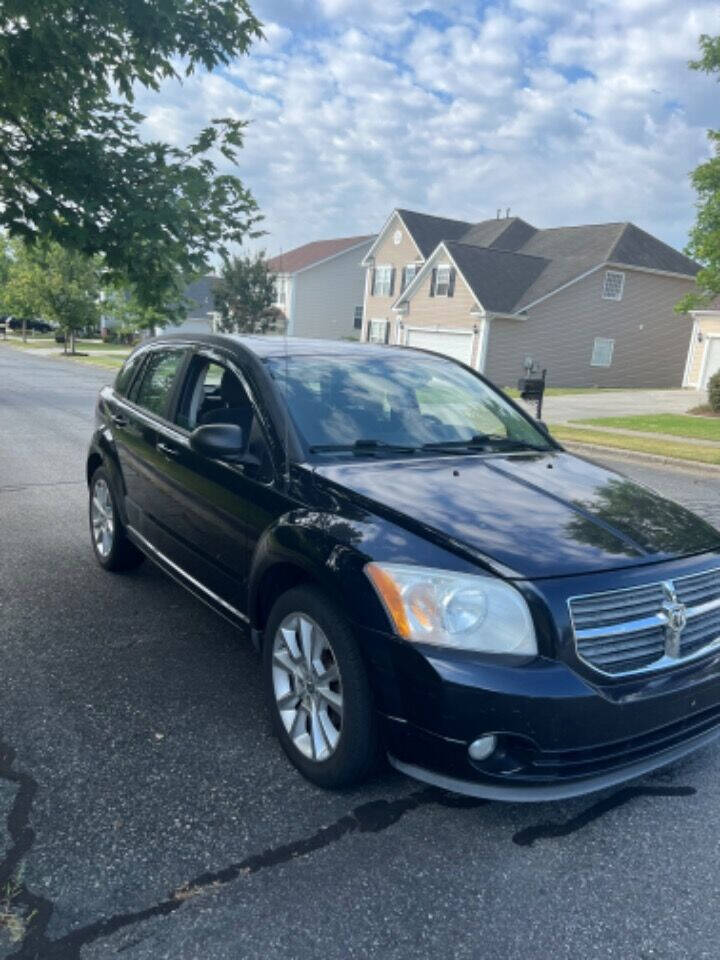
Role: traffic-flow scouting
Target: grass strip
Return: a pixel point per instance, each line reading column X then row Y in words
column 622, row 441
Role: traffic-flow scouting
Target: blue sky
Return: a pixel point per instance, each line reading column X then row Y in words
column 566, row 112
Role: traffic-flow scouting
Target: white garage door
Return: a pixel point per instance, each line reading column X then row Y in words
column 713, row 358
column 457, row 344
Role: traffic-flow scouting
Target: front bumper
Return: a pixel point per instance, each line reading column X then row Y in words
column 559, row 733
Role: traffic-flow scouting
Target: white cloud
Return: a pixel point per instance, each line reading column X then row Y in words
column 569, row 111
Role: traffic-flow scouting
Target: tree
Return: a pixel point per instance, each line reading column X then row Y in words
column 73, row 167
column 245, row 295
column 129, row 316
column 704, row 243
column 61, row 286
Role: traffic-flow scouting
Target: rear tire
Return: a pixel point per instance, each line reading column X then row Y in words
column 111, row 546
column 318, row 691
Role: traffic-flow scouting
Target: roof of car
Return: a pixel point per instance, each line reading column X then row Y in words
column 278, row 346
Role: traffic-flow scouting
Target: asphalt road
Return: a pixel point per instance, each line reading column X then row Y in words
column 150, row 813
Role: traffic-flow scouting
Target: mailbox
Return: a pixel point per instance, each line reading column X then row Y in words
column 532, row 389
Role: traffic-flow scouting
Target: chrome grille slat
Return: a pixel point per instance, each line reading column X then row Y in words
column 627, row 631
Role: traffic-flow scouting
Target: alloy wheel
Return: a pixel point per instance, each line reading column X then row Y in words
column 102, row 517
column 307, row 686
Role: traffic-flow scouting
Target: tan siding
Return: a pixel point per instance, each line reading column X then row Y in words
column 559, row 335
column 443, row 312
column 707, row 326
column 398, row 256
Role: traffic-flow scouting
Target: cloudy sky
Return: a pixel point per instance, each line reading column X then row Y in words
column 566, row 111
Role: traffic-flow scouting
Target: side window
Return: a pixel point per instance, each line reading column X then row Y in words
column 124, row 379
column 158, row 380
column 213, row 394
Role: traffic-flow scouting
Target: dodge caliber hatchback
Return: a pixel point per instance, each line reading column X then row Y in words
column 424, row 570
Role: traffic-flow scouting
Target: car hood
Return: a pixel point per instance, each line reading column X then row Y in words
column 537, row 515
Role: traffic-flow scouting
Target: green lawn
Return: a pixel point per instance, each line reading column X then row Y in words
column 676, row 424
column 623, row 441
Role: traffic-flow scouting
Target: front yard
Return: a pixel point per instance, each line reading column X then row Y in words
column 677, row 425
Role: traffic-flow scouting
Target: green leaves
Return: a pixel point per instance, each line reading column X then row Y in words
column 245, row 297
column 704, row 243
column 72, row 165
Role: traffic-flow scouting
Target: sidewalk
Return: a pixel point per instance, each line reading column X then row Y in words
column 618, row 403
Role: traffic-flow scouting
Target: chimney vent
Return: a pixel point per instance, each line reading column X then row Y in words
column 507, row 213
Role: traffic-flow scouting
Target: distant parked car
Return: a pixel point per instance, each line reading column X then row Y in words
column 421, row 564
column 36, row 326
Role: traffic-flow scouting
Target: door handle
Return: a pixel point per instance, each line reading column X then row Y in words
column 119, row 420
column 167, row 449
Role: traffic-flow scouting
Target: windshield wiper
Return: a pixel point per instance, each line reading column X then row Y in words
column 482, row 441
column 362, row 446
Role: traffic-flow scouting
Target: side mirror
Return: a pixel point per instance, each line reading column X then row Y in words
column 218, row 441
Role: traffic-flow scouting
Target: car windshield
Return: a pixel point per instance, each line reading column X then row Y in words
column 400, row 403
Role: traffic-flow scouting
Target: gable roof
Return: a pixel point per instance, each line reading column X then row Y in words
column 509, row 264
column 508, row 234
column 497, row 278
column 640, row 249
column 428, row 231
column 312, row 253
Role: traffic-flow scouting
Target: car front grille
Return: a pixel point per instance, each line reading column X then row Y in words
column 648, row 627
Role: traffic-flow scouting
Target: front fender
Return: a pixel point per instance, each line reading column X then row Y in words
column 320, row 545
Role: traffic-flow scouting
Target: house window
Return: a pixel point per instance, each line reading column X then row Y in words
column 443, row 281
column 602, row 354
column 358, row 318
column 378, row 331
column 281, row 290
column 408, row 275
column 383, row 281
column 613, row 285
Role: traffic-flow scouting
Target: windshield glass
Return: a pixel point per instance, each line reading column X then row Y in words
column 399, row 400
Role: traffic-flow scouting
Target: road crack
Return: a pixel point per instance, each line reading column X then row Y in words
column 371, row 817
column 545, row 831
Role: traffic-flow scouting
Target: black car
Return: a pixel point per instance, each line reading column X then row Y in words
column 425, row 571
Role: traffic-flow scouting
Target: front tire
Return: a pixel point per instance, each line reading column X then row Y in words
column 111, row 546
column 318, row 691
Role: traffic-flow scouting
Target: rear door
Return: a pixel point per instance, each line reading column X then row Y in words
column 139, row 424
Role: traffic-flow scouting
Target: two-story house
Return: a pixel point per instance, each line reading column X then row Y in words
column 320, row 286
column 593, row 304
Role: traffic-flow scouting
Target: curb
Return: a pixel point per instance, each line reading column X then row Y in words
column 654, row 459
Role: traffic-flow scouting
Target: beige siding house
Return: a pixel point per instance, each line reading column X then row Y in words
column 320, row 287
column 593, row 304
column 704, row 353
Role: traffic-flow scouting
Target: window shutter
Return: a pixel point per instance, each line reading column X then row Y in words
column 372, row 281
column 451, row 283
column 392, row 281
column 387, row 325
column 403, row 279
column 433, row 281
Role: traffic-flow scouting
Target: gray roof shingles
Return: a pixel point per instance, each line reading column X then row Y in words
column 496, row 277
column 533, row 263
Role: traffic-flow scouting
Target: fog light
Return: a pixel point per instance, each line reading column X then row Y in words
column 481, row 748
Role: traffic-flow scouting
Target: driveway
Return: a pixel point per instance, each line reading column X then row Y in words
column 618, row 403
column 150, row 814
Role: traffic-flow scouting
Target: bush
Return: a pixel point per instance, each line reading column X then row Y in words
column 714, row 391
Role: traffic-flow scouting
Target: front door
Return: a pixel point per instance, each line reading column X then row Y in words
column 215, row 511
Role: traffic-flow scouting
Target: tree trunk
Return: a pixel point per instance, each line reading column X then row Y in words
column 24, row 330
column 72, row 343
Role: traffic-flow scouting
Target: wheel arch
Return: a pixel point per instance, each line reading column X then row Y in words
column 297, row 550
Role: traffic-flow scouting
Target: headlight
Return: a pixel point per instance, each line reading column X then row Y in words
column 454, row 609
